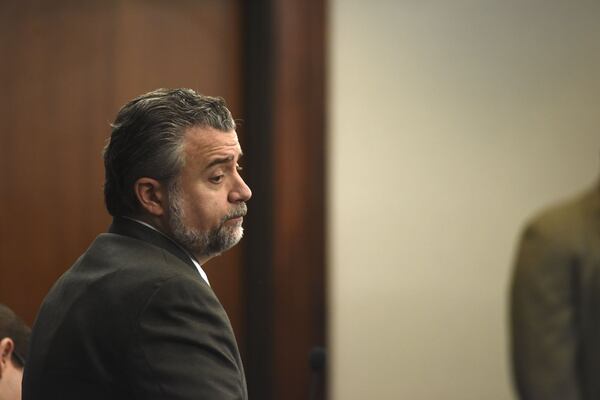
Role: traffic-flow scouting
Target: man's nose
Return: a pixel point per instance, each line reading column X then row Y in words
column 241, row 192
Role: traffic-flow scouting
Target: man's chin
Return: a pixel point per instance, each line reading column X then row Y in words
column 234, row 235
column 213, row 244
column 225, row 240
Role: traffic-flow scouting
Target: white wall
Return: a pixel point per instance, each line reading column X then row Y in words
column 451, row 122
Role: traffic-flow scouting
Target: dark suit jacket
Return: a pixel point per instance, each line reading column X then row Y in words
column 555, row 303
column 132, row 319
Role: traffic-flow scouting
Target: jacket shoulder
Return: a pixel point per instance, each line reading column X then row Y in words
column 565, row 223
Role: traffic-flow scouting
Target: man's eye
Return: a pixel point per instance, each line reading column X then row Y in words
column 217, row 179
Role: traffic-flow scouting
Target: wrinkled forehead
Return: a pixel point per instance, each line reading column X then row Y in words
column 204, row 143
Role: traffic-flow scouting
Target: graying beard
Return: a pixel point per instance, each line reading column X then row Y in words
column 204, row 244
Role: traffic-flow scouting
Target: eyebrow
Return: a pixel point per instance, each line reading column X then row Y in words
column 221, row 160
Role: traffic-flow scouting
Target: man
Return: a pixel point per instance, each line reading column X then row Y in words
column 135, row 317
column 555, row 303
column 14, row 339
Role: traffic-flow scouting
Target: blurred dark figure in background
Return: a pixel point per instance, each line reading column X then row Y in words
column 555, row 303
column 135, row 317
column 14, row 340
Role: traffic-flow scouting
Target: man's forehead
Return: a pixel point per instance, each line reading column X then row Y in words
column 205, row 141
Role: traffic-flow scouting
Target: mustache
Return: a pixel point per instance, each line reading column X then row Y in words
column 239, row 211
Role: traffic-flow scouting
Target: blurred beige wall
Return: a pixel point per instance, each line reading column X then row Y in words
column 450, row 124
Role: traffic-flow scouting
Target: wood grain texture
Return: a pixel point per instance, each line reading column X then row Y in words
column 286, row 267
column 56, row 75
column 299, row 140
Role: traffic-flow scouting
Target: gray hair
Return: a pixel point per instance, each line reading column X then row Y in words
column 147, row 141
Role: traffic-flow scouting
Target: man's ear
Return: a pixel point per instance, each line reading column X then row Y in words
column 152, row 195
column 6, row 349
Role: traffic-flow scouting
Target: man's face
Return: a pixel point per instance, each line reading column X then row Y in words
column 208, row 199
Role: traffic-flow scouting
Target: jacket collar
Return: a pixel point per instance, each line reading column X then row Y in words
column 133, row 229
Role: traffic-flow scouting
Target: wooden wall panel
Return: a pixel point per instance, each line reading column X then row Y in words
column 56, row 73
column 298, row 143
column 285, row 266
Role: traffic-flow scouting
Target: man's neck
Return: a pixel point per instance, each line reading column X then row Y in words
column 154, row 222
column 159, row 225
column 195, row 260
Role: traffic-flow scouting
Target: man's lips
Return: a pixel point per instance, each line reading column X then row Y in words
column 237, row 218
